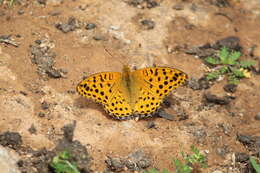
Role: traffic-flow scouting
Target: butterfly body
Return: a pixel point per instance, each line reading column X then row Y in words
column 130, row 94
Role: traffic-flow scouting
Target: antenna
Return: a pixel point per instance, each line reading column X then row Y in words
column 119, row 59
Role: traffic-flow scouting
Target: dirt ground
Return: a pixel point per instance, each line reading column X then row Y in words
column 82, row 37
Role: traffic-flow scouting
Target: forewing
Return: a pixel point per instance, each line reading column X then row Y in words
column 99, row 86
column 153, row 84
column 106, row 88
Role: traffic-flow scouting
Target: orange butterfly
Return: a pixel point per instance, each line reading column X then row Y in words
column 131, row 94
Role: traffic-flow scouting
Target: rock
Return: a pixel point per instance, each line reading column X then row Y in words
column 45, row 105
column 54, row 13
column 78, row 151
column 165, row 115
column 20, row 12
column 231, row 88
column 257, row 117
column 143, row 3
column 90, row 26
column 43, row 57
column 54, row 73
column 201, row 51
column 71, row 25
column 148, row 24
column 178, row 7
column 135, row 161
column 39, row 160
column 8, row 160
column 99, row 38
column 11, row 139
column 41, row 114
column 150, row 125
column 115, row 164
column 252, row 142
column 199, row 133
column 32, row 129
column 69, row 131
column 198, row 84
column 222, row 151
column 151, row 4
column 231, row 42
column 221, row 3
column 211, row 98
column 241, row 157
column 43, row 2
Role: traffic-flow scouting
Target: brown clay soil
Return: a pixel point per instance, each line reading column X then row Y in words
column 32, row 94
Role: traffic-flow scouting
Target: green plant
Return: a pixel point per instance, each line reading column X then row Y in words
column 10, row 3
column 227, row 63
column 153, row 170
column 191, row 160
column 255, row 165
column 61, row 163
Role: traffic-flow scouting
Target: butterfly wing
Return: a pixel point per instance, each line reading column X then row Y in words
column 106, row 88
column 152, row 85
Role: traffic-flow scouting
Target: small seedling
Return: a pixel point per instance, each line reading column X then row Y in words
column 61, row 163
column 255, row 165
column 153, row 170
column 227, row 63
column 10, row 2
column 191, row 161
column 195, row 160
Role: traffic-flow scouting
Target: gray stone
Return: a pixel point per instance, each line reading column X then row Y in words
column 8, row 160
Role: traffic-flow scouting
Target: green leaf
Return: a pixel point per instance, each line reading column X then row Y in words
column 11, row 2
column 254, row 164
column 212, row 75
column 237, row 73
column 182, row 168
column 212, row 60
column 223, row 70
column 223, row 55
column 152, row 170
column 234, row 56
column 246, row 64
column 61, row 164
column 165, row 171
column 232, row 79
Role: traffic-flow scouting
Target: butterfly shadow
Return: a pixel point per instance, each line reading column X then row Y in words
column 83, row 103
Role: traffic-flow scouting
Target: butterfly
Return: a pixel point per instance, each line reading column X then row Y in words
column 129, row 94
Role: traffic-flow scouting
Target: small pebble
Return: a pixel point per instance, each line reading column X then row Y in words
column 99, row 37
column 32, row 129
column 150, row 124
column 21, row 12
column 45, row 105
column 41, row 114
column 231, row 88
column 178, row 7
column 152, row 4
column 257, row 117
column 90, row 26
column 42, row 2
column 211, row 98
column 148, row 24
column 241, row 157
